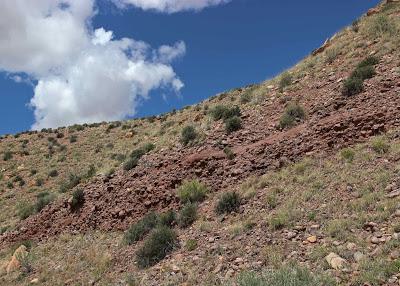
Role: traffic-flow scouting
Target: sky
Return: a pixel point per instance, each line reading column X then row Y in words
column 68, row 61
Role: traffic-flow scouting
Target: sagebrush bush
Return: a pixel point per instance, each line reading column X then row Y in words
column 293, row 113
column 168, row 218
column 229, row 153
column 42, row 200
column 53, row 173
column 192, row 191
column 368, row 61
column 188, row 134
column 224, row 112
column 285, row 81
column 381, row 26
column 25, row 209
column 78, row 199
column 352, row 86
column 73, row 181
column 279, row 220
column 7, row 156
column 160, row 242
column 364, row 72
column 139, row 229
column 348, row 154
column 229, row 202
column 73, row 139
column 233, row 124
column 380, row 145
column 130, row 164
column 191, row 244
column 187, row 215
column 245, row 98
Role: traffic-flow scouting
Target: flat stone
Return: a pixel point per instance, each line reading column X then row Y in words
column 312, row 239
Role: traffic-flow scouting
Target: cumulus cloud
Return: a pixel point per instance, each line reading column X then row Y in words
column 171, row 6
column 82, row 74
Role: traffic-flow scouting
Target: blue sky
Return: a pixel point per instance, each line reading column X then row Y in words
column 227, row 46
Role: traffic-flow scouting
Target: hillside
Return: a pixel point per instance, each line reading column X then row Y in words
column 302, row 166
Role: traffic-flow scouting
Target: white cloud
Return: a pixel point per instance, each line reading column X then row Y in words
column 83, row 75
column 167, row 54
column 171, row 6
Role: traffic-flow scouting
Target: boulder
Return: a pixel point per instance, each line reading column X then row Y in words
column 336, row 262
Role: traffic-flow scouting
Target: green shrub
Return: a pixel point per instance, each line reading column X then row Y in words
column 25, row 209
column 78, row 199
column 229, row 153
column 279, row 220
column 91, row 171
column 192, row 191
column 285, row 81
column 229, row 202
column 139, row 229
column 352, row 86
column 380, row 145
column 130, row 164
column 73, row 139
column 168, row 218
column 42, row 200
column 7, row 156
column 187, row 215
column 160, row 242
column 233, row 124
column 288, row 275
column 331, row 55
column 292, row 113
column 39, row 182
column 191, row 244
column 137, row 153
column 148, row 147
column 364, row 72
column 188, row 134
column 245, row 98
column 369, row 61
column 53, row 173
column 73, row 181
column 223, row 112
column 347, row 154
column 381, row 26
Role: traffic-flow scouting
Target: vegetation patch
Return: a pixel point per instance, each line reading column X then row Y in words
column 160, row 242
column 380, row 145
column 7, row 156
column 293, row 113
column 223, row 112
column 168, row 218
column 139, row 229
column 364, row 70
column 285, row 81
column 189, row 134
column 233, row 124
column 73, row 181
column 78, row 199
column 229, row 202
column 290, row 275
column 187, row 215
column 135, row 156
column 347, row 154
column 192, row 191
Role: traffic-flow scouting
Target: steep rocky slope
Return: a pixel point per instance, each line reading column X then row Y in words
column 333, row 121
